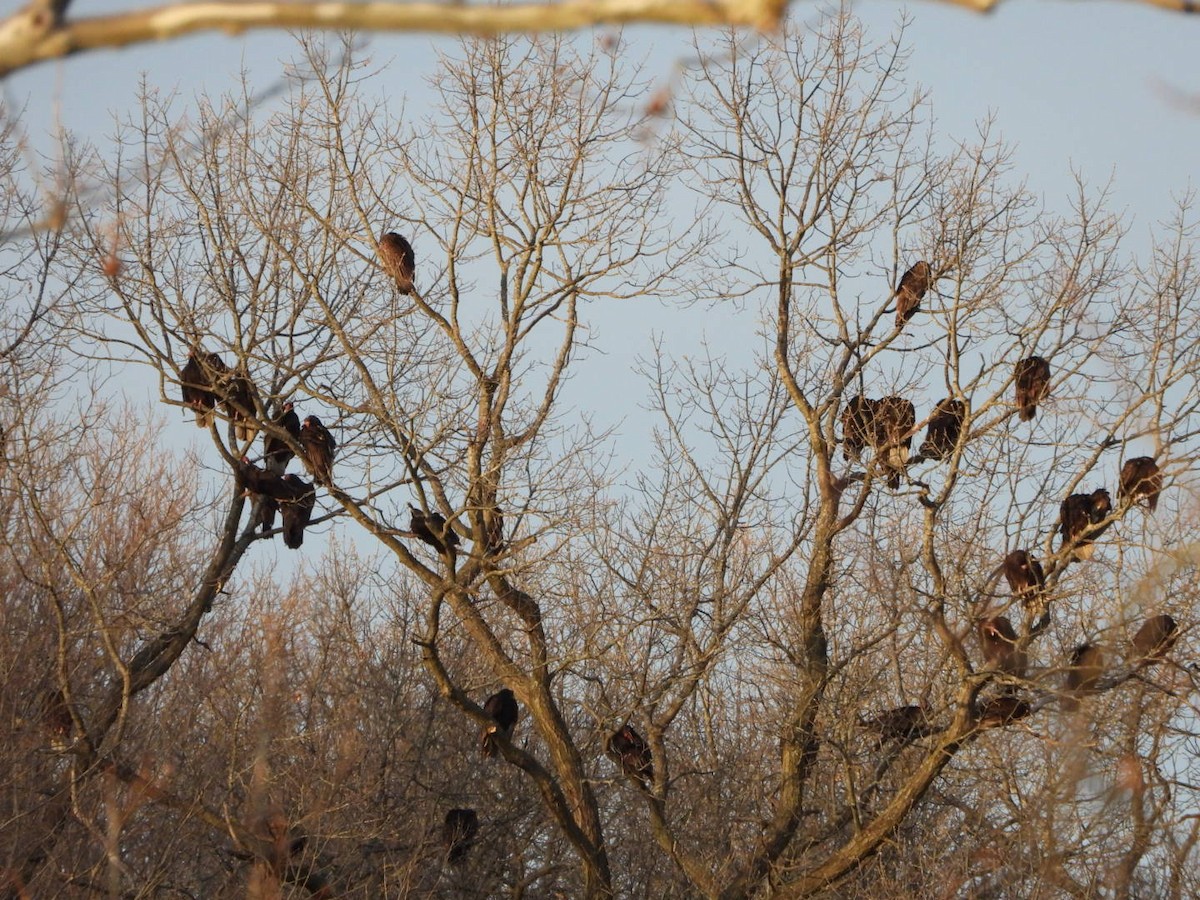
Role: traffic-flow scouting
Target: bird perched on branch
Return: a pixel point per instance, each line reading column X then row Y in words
column 398, row 260
column 262, row 486
column 1025, row 576
column 858, row 420
column 945, row 426
column 319, row 446
column 198, row 379
column 431, row 528
column 1082, row 519
column 1141, row 479
column 1032, row 378
column 1002, row 710
column 238, row 401
column 1086, row 669
column 904, row 723
column 502, row 707
column 894, row 421
column 632, row 752
column 1155, row 639
column 459, row 831
column 999, row 642
column 278, row 453
column 913, row 285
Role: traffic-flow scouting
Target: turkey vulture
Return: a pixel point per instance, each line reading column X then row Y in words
column 278, row 453
column 399, row 261
column 265, row 487
column 1141, row 480
column 858, row 420
column 199, row 376
column 1002, row 710
column 318, row 446
column 459, row 831
column 999, row 642
column 891, row 435
column 1087, row 666
column 502, row 707
column 297, row 508
column 913, row 285
column 431, row 528
column 630, row 749
column 945, row 425
column 1025, row 576
column 239, row 405
column 1155, row 638
column 1081, row 520
column 904, row 723
column 55, row 716
column 1033, row 384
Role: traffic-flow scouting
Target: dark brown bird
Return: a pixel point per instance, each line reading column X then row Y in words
column 55, row 716
column 1025, row 576
column 945, row 426
column 1081, row 519
column 319, row 446
column 459, row 831
column 632, row 752
column 891, row 436
column 197, row 382
column 999, row 642
column 1155, row 639
column 1141, row 479
column 399, row 261
column 431, row 528
column 296, row 508
column 913, row 285
column 1005, row 709
column 264, row 487
column 278, row 453
column 858, row 421
column 239, row 405
column 904, row 723
column 1032, row 377
column 1086, row 668
column 502, row 707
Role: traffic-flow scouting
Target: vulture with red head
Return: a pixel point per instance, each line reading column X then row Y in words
column 945, row 426
column 904, row 723
column 858, row 418
column 894, row 421
column 1082, row 520
column 1025, row 576
column 278, row 453
column 1155, row 639
column 502, row 707
column 431, row 528
column 632, row 752
column 319, row 446
column 398, row 260
column 1141, row 479
column 913, row 285
column 460, row 828
column 198, row 380
column 1032, row 377
column 999, row 641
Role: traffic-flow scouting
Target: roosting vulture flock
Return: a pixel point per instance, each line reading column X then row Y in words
column 886, row 426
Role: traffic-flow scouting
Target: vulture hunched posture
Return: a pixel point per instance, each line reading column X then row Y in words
column 459, row 830
column 894, row 421
column 431, row 528
column 502, row 707
column 399, row 261
column 202, row 373
column 1002, row 710
column 1155, row 639
column 1141, row 479
column 858, row 420
column 293, row 497
column 913, row 285
column 999, row 641
column 904, row 723
column 1033, row 384
column 945, row 425
column 1025, row 576
column 239, row 406
column 1086, row 669
column 630, row 749
column 278, row 453
column 1081, row 517
column 262, row 486
column 318, row 446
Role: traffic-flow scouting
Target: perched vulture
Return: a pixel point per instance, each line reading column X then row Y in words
column 1155, row 638
column 278, row 453
column 1086, row 669
column 55, row 717
column 399, row 261
column 891, row 435
column 945, row 425
column 431, row 528
column 239, row 406
column 913, row 285
column 296, row 508
column 904, row 723
column 265, row 487
column 202, row 373
column 630, row 749
column 459, row 831
column 999, row 641
column 502, row 707
column 1141, row 479
column 858, row 420
column 1082, row 519
column 1033, row 384
column 1002, row 710
column 318, row 446
column 1025, row 576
